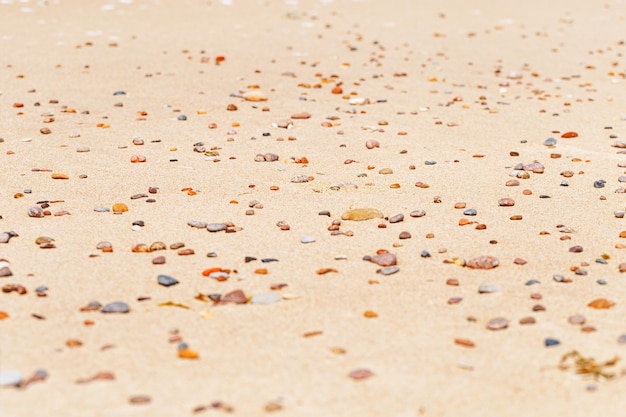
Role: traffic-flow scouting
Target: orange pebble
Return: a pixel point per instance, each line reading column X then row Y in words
column 261, row 271
column 188, row 354
column 209, row 271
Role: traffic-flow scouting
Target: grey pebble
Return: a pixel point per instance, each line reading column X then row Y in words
column 101, row 209
column 621, row 339
column 211, row 255
column 300, row 178
column 10, row 378
column 388, row 270
column 397, row 218
column 166, row 280
column 5, row 272
column 498, row 323
column 532, row 282
column 182, row 117
column 488, row 288
column 601, row 281
column 307, row 239
column 41, row 289
column 425, row 254
column 549, row 142
column 216, row 227
column 599, row 183
column 35, row 211
column 558, row 277
column 601, row 261
column 470, row 212
column 266, row 298
column 116, row 307
column 565, row 183
column 430, row 162
column 417, row 213
column 82, row 149
column 197, row 223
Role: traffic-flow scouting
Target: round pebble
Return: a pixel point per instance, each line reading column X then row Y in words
column 166, row 280
column 549, row 142
column 470, row 212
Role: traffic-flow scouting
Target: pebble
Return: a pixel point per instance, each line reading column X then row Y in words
column 549, row 341
column 404, row 235
column 101, row 209
column 198, row 224
column 266, row 298
column 166, row 280
column 35, row 211
column 576, row 319
column 506, row 202
column 549, row 142
column 236, row 296
column 470, row 212
column 216, row 227
column 498, row 323
column 360, row 374
column 10, row 378
column 488, row 288
column 300, row 179
column 417, row 213
column 307, row 239
column 483, row 262
column 384, row 259
column 116, row 307
column 5, row 272
column 622, row 339
column 159, row 260
column 139, row 399
column 388, row 270
column 371, row 144
column 397, row 218
column 361, row 214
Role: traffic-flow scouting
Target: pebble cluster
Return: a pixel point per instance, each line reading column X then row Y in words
column 310, row 188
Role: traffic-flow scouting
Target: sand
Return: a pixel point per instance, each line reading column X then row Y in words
column 476, row 88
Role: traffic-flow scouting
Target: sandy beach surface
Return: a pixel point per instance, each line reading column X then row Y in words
column 485, row 138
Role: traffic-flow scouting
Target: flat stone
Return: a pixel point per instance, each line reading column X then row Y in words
column 116, row 307
column 483, row 262
column 397, row 218
column 307, row 239
column 417, row 213
column 470, row 212
column 576, row 319
column 266, row 298
column 166, row 280
column 197, row 223
column 549, row 341
column 10, row 378
column 388, row 270
column 236, row 296
column 5, row 272
column 362, row 214
column 216, row 227
column 384, row 259
column 498, row 323
column 101, row 209
column 488, row 288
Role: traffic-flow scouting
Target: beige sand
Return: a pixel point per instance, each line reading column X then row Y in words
column 460, row 79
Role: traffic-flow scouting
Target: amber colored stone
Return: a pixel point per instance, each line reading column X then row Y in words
column 313, row 333
column 622, row 233
column 323, row 271
column 464, row 342
column 3, row 315
column 120, row 208
column 481, row 226
column 569, row 135
column 430, row 235
column 516, row 217
column 89, row 322
column 337, row 90
column 464, row 222
column 361, row 214
column 188, row 354
column 370, row 314
column 57, row 176
column 460, row 205
column 73, row 343
column 231, row 107
column 185, row 252
column 261, row 271
column 140, row 247
column 601, row 303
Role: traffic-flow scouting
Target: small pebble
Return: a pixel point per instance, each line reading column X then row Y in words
column 549, row 341
column 216, row 227
column 470, row 212
column 10, row 378
column 307, row 239
column 388, row 270
column 488, row 288
column 397, row 218
column 498, row 323
column 116, row 307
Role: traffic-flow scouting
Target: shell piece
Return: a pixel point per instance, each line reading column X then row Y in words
column 362, row 214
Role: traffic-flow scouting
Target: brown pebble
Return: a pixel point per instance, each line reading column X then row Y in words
column 404, row 235
column 177, row 245
column 527, row 320
column 302, row 115
column 576, row 249
column 506, row 202
column 185, row 252
column 512, row 183
column 159, row 260
column 516, row 217
column 536, row 296
column 498, row 323
column 519, row 261
column 464, row 342
column 139, row 399
column 452, row 282
column 527, row 192
column 460, row 205
column 371, row 144
column 58, row 176
column 361, row 374
column 384, row 259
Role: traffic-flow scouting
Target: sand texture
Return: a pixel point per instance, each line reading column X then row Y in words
column 312, row 208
